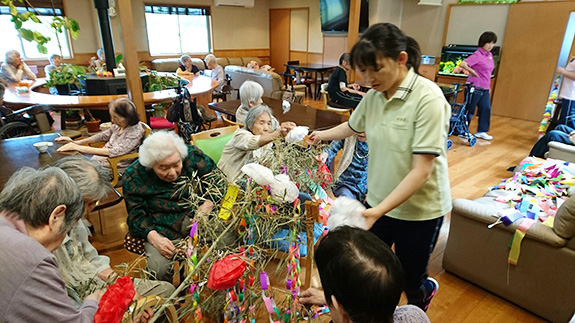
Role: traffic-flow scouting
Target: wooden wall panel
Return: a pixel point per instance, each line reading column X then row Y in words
column 300, row 56
column 333, row 47
column 533, row 38
column 315, row 58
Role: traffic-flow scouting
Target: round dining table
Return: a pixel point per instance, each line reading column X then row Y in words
column 200, row 87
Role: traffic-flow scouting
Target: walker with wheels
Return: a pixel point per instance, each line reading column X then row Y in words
column 458, row 122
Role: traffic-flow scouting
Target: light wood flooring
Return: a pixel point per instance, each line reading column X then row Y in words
column 472, row 170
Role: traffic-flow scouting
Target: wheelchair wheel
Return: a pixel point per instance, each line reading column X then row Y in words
column 472, row 140
column 449, row 144
column 14, row 129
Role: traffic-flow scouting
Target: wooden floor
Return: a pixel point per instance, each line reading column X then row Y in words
column 472, row 170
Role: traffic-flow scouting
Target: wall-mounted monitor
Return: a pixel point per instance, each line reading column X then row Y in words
column 335, row 16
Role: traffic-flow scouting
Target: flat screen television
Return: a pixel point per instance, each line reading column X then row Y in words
column 335, row 16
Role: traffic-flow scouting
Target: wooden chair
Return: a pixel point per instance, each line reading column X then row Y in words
column 228, row 122
column 329, row 105
column 213, row 133
column 115, row 197
column 213, row 141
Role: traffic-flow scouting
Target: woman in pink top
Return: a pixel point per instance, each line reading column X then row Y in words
column 480, row 66
column 124, row 137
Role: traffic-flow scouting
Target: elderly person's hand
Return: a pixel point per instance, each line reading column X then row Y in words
column 144, row 316
column 204, row 209
column 322, row 158
column 62, row 140
column 286, row 127
column 69, row 147
column 163, row 244
column 95, row 296
column 571, row 137
column 312, row 296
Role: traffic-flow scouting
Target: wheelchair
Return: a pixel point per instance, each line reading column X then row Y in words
column 21, row 122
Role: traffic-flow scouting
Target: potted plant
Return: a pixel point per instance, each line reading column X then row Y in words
column 72, row 118
column 159, row 82
column 66, row 76
column 92, row 124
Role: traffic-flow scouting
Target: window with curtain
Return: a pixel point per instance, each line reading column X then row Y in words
column 178, row 29
column 11, row 38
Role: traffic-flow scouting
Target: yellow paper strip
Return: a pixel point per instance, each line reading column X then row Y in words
column 228, row 203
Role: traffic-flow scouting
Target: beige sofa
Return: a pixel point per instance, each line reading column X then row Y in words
column 172, row 64
column 270, row 81
column 542, row 282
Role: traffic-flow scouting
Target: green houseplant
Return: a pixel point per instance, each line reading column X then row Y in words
column 66, row 76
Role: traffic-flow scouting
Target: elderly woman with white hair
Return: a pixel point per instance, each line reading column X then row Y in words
column 252, row 141
column 79, row 263
column 250, row 95
column 217, row 71
column 186, row 67
column 14, row 69
column 155, row 213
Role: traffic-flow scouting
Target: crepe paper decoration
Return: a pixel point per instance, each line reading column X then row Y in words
column 319, row 311
column 226, row 272
column 264, row 280
column 115, row 301
column 511, row 217
column 228, row 201
column 517, row 239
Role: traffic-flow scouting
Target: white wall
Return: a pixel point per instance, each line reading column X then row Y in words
column 233, row 28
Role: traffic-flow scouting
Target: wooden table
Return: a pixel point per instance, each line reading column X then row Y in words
column 315, row 119
column 314, row 68
column 200, row 87
column 19, row 152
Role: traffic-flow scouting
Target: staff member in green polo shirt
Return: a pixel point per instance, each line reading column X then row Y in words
column 406, row 119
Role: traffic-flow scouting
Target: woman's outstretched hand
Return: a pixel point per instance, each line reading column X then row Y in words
column 62, row 140
column 67, row 148
column 314, row 138
column 371, row 215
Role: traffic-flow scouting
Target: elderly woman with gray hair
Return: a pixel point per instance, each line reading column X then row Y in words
column 252, row 141
column 186, row 67
column 217, row 70
column 37, row 209
column 79, row 263
column 250, row 95
column 155, row 211
column 14, row 69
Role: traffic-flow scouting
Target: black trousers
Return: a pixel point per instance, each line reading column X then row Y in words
column 414, row 242
column 350, row 100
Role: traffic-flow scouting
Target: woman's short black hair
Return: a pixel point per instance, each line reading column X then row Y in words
column 384, row 40
column 125, row 108
column 362, row 272
column 487, row 37
column 344, row 57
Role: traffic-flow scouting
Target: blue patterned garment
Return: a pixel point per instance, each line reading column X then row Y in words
column 355, row 176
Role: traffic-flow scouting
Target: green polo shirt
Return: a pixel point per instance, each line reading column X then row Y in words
column 414, row 121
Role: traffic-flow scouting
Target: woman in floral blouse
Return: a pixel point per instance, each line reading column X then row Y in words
column 124, row 136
